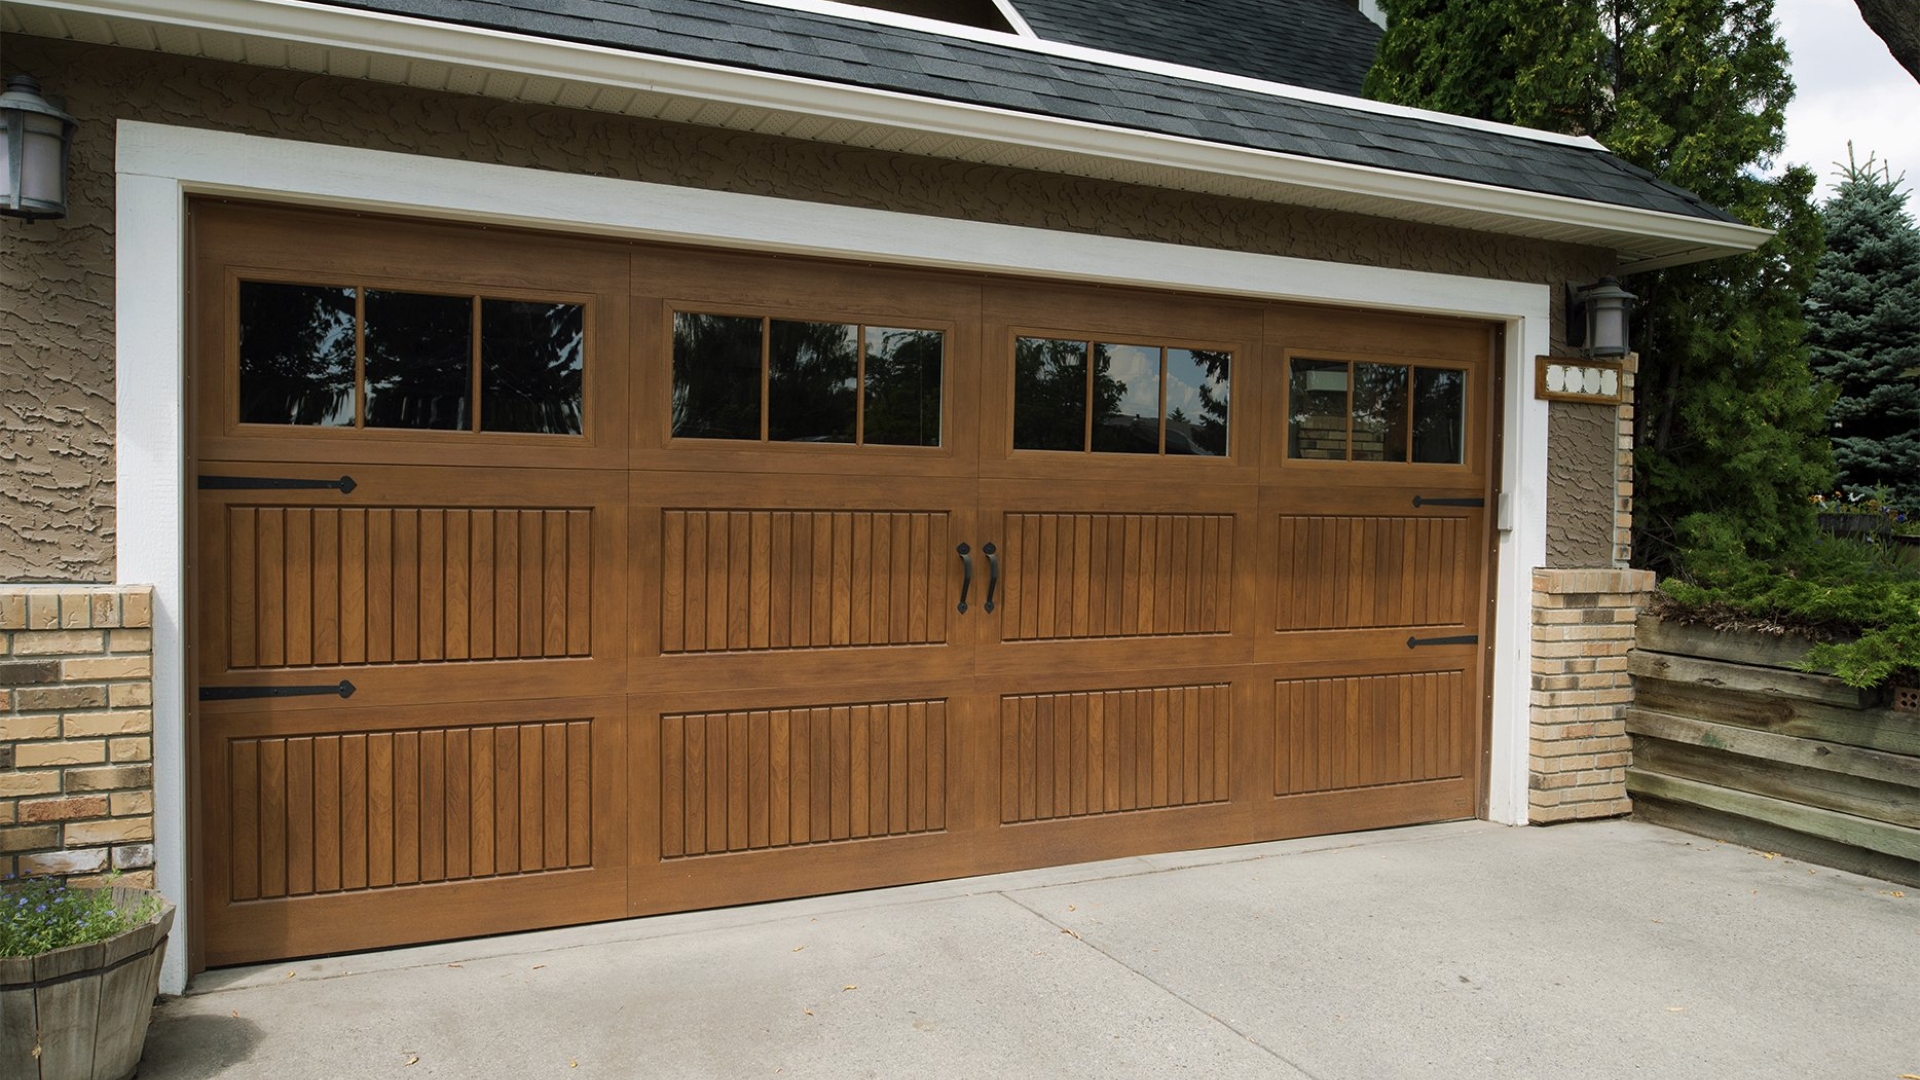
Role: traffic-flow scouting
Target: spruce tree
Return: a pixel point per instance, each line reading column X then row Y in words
column 1730, row 436
column 1863, row 322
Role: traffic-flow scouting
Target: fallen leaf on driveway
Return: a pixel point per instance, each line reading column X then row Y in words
column 809, row 1012
column 849, row 986
column 797, row 948
column 413, row 1059
column 1076, row 937
column 537, row 967
column 572, row 1063
column 291, row 974
column 1676, row 1008
column 456, row 965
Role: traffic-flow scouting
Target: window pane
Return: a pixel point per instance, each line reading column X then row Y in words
column 1439, row 415
column 1050, row 394
column 1318, row 400
column 716, row 376
column 1379, row 412
column 1197, row 397
column 296, row 355
column 813, row 371
column 419, row 352
column 530, row 367
column 1126, row 399
column 903, row 386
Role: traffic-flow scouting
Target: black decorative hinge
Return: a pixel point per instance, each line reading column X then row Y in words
column 343, row 689
column 344, row 485
column 1422, row 500
column 1463, row 639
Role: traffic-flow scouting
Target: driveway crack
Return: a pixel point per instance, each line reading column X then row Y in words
column 1162, row 987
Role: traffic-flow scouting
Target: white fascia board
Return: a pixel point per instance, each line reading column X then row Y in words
column 306, row 23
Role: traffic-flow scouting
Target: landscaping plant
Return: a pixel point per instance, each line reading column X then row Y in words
column 41, row 914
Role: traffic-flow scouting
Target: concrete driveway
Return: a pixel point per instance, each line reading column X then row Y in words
column 1595, row 951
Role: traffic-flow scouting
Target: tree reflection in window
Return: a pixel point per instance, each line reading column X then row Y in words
column 716, row 376
column 1379, row 412
column 1394, row 412
column 1439, row 412
column 813, row 376
column 1198, row 395
column 1050, row 394
column 1146, row 399
column 1126, row 399
column 903, row 386
column 296, row 354
column 419, row 360
column 531, row 366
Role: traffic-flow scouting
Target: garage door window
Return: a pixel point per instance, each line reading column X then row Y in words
column 1354, row 411
column 1131, row 399
column 792, row 381
column 327, row 356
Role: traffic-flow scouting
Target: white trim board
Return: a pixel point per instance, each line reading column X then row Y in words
column 159, row 166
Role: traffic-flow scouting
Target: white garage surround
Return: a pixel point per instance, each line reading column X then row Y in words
column 159, row 166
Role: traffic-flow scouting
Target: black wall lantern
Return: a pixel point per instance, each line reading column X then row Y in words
column 1597, row 318
column 34, row 140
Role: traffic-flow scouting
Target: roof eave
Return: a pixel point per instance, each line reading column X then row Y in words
column 445, row 56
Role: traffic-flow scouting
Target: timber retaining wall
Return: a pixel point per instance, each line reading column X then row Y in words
column 1731, row 742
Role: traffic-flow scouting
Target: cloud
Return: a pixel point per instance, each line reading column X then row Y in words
column 1850, row 88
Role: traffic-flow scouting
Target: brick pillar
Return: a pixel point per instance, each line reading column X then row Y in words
column 76, row 731
column 1623, row 467
column 1578, row 747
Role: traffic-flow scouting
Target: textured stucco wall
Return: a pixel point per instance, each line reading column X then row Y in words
column 56, row 280
column 1581, row 453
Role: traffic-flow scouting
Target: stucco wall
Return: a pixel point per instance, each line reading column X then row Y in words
column 1581, row 453
column 56, row 279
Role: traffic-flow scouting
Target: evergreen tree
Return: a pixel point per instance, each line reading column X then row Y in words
column 1863, row 321
column 1730, row 437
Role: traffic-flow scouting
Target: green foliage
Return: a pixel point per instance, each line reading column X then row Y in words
column 1731, row 432
column 1860, row 604
column 40, row 914
column 1863, row 322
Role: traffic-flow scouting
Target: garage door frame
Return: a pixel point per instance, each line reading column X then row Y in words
column 159, row 166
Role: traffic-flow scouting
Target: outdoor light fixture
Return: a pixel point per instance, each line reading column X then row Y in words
column 1597, row 317
column 34, row 140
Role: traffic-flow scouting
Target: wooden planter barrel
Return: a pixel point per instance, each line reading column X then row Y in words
column 81, row 1013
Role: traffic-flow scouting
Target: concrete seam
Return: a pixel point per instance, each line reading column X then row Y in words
column 1163, row 988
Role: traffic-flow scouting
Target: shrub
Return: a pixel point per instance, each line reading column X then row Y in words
column 1859, row 604
column 40, row 914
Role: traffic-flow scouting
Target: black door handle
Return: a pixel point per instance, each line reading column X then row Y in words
column 993, row 574
column 966, row 581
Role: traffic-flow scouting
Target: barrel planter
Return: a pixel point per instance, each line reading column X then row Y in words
column 81, row 1013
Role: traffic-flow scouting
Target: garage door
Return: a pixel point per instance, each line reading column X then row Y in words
column 546, row 580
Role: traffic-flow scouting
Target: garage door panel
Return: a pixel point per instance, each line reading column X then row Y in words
column 776, row 778
column 409, row 573
column 1339, row 732
column 370, row 803
column 768, row 580
column 1096, row 752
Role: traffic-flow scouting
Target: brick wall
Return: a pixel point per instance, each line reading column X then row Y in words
column 76, row 731
column 1578, row 748
column 1623, row 467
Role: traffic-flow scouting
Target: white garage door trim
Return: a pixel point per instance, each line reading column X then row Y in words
column 159, row 166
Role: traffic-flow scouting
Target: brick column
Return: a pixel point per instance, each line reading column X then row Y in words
column 1623, row 466
column 76, row 731
column 1578, row 747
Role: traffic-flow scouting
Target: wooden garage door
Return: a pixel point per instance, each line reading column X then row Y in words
column 547, row 580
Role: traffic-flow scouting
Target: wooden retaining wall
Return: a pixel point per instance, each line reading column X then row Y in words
column 1730, row 742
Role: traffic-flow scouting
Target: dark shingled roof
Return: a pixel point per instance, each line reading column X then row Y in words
column 1320, row 44
column 858, row 53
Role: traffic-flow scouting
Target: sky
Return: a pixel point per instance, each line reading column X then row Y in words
column 1849, row 87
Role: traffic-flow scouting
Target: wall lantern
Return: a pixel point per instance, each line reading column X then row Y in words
column 1597, row 318
column 34, row 140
